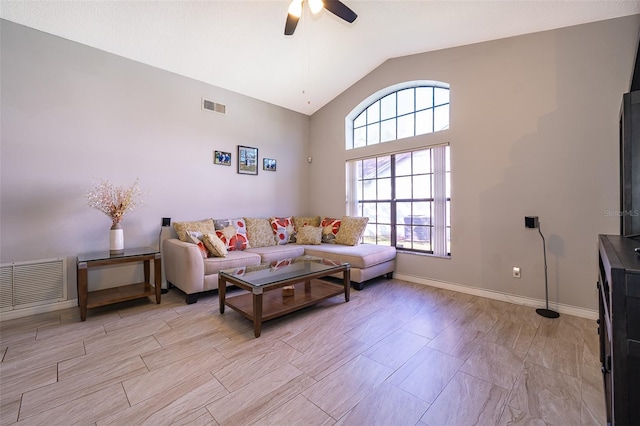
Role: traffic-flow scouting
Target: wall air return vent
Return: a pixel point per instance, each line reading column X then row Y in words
column 32, row 283
column 208, row 105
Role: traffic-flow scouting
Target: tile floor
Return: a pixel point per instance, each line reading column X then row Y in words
column 396, row 354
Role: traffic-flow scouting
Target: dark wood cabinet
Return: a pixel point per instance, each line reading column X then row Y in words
column 619, row 327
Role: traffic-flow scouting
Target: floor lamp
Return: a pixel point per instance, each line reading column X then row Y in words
column 533, row 222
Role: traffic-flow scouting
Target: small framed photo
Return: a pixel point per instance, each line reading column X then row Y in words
column 247, row 160
column 269, row 164
column 221, row 157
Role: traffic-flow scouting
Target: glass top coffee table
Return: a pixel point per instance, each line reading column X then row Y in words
column 262, row 303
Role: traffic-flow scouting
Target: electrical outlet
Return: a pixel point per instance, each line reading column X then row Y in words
column 516, row 272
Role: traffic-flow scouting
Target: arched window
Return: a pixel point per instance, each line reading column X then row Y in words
column 405, row 193
column 401, row 111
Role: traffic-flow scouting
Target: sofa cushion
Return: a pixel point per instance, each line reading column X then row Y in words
column 269, row 254
column 283, row 229
column 204, row 226
column 234, row 259
column 259, row 232
column 215, row 245
column 224, row 229
column 351, row 230
column 361, row 256
column 309, row 235
column 330, row 227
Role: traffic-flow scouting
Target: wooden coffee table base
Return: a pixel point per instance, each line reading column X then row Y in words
column 261, row 306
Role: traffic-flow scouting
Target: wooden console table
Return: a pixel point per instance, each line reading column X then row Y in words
column 93, row 299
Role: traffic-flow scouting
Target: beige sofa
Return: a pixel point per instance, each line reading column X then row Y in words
column 186, row 269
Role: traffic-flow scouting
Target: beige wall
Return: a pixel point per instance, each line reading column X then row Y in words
column 534, row 131
column 72, row 114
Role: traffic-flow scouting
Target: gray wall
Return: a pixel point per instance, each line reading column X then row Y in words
column 534, row 131
column 72, row 115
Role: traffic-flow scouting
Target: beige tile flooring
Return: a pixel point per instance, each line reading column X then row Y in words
column 396, row 354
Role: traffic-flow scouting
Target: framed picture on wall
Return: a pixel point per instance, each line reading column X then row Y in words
column 247, row 160
column 269, row 164
column 221, row 157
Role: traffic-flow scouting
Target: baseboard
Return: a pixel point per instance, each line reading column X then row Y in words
column 505, row 297
column 34, row 310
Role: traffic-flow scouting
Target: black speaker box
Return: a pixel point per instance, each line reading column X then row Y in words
column 531, row 221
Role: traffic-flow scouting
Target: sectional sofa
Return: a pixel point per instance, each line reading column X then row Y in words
column 195, row 252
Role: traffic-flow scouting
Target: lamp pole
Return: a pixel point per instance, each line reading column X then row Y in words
column 533, row 222
column 547, row 313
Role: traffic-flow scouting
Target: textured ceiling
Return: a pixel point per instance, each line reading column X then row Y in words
column 239, row 45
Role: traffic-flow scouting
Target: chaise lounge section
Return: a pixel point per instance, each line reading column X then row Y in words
column 194, row 270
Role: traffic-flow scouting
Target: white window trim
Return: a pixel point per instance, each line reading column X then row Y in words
column 358, row 109
column 439, row 222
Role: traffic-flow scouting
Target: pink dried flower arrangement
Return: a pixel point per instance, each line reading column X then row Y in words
column 114, row 201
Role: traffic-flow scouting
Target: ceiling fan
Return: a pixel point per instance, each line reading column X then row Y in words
column 334, row 6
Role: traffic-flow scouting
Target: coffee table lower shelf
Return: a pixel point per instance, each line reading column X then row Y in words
column 275, row 305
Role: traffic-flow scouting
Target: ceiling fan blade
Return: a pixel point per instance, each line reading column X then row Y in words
column 340, row 10
column 290, row 25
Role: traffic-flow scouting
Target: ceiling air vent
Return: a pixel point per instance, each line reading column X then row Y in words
column 214, row 107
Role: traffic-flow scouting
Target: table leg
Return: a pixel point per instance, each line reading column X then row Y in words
column 222, row 291
column 157, row 277
column 257, row 314
column 82, row 290
column 147, row 271
column 307, row 286
column 346, row 278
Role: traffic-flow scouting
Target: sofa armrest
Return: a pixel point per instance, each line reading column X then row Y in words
column 183, row 265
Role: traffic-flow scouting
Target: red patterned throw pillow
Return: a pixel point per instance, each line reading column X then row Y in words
column 330, row 228
column 282, row 229
column 195, row 238
column 233, row 232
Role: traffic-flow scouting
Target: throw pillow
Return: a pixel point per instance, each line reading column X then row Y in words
column 300, row 221
column 233, row 240
column 351, row 230
column 309, row 235
column 194, row 237
column 215, row 245
column 283, row 229
column 204, row 226
column 330, row 228
column 259, row 232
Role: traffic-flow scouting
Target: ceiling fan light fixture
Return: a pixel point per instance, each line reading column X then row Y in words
column 295, row 8
column 315, row 6
column 336, row 7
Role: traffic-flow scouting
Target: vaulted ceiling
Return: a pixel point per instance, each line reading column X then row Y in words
column 239, row 45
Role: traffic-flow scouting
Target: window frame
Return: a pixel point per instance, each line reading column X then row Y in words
column 377, row 98
column 436, row 199
column 429, row 140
